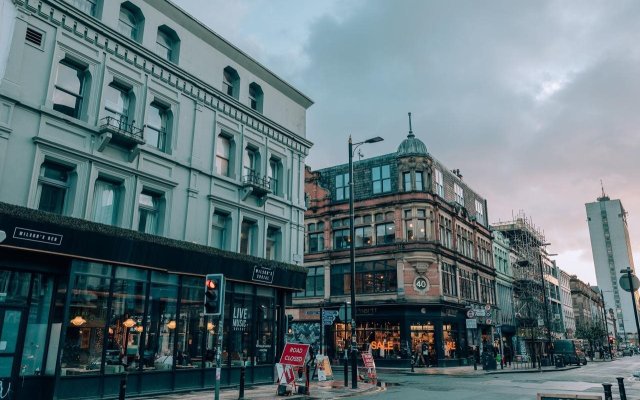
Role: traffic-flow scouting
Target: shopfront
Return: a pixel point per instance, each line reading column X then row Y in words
column 435, row 335
column 81, row 309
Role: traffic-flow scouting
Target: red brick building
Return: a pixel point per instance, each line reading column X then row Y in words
column 423, row 258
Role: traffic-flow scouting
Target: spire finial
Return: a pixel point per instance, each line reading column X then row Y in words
column 410, row 129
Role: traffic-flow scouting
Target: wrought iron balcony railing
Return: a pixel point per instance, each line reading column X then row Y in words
column 122, row 131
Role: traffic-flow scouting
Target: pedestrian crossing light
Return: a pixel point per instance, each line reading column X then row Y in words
column 213, row 292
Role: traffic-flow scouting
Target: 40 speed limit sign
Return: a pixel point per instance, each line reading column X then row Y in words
column 421, row 284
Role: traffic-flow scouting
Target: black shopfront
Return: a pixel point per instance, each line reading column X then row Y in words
column 84, row 305
column 434, row 334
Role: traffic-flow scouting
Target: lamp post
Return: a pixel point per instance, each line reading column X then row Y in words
column 352, row 260
column 629, row 273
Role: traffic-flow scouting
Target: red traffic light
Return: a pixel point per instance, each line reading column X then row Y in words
column 211, row 284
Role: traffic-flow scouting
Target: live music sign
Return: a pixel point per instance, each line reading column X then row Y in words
column 294, row 354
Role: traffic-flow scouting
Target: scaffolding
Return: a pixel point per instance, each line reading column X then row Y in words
column 526, row 242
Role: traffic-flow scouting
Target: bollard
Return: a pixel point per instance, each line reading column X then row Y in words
column 346, row 371
column 413, row 362
column 607, row 391
column 475, row 363
column 123, row 387
column 243, row 369
column 623, row 393
column 307, row 390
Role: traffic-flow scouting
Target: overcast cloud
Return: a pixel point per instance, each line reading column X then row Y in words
column 534, row 102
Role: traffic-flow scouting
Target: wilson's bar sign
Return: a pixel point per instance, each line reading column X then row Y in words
column 37, row 236
column 263, row 274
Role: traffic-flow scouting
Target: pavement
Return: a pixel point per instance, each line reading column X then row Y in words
column 318, row 390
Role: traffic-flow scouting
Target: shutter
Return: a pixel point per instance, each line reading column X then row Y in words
column 34, row 37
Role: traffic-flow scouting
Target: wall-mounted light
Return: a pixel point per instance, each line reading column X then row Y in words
column 210, row 326
column 139, row 328
column 129, row 323
column 171, row 324
column 78, row 321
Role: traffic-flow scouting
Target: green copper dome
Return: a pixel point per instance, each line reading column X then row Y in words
column 412, row 146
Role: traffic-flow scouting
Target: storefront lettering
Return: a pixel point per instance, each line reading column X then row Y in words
column 240, row 318
column 381, row 346
column 263, row 274
column 369, row 310
column 37, row 236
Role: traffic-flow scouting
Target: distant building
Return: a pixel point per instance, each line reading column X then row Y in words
column 568, row 317
column 423, row 259
column 587, row 309
column 139, row 151
column 504, row 286
column 554, row 299
column 611, row 247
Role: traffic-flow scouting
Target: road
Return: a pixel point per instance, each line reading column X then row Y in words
column 514, row 386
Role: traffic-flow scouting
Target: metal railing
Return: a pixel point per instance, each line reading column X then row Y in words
column 122, row 127
column 257, row 181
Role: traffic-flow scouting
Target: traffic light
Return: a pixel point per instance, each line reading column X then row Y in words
column 213, row 294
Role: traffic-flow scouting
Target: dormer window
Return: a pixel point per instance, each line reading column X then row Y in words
column 167, row 44
column 130, row 22
column 255, row 97
column 231, row 82
column 459, row 194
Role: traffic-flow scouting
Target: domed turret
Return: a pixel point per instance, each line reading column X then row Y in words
column 411, row 145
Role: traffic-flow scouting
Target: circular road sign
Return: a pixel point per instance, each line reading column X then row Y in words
column 471, row 314
column 624, row 282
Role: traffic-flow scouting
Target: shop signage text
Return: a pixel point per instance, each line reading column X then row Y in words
column 263, row 274
column 239, row 321
column 37, row 236
column 294, row 354
column 381, row 346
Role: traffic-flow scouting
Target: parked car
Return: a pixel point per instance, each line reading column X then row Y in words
column 627, row 352
column 571, row 350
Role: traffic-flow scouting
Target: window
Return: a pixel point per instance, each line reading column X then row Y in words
column 251, row 162
column 167, row 44
column 157, row 126
column 149, row 213
column 117, row 102
column 449, row 286
column 223, row 154
column 381, row 177
column 419, row 186
column 415, row 226
column 130, row 21
column 406, row 177
column 486, row 291
column 274, row 243
column 53, row 187
column 342, row 187
column 220, row 230
column 459, row 194
column 445, row 232
column 363, row 236
column 316, row 237
column 275, row 176
column 385, row 233
column 315, row 283
column 255, row 97
column 106, row 202
column 371, row 277
column 468, row 288
column 248, row 234
column 340, row 239
column 479, row 212
column 439, row 183
column 69, row 91
column 231, row 82
column 87, row 6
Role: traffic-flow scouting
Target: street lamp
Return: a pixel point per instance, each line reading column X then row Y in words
column 630, row 274
column 352, row 260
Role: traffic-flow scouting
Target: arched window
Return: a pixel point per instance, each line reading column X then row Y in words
column 255, row 97
column 167, row 44
column 131, row 21
column 231, row 82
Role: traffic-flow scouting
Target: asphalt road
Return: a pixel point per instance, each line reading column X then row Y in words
column 480, row 386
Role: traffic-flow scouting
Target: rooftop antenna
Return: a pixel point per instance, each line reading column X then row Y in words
column 410, row 129
column 604, row 196
column 602, row 187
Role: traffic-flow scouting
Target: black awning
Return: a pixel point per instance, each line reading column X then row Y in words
column 33, row 230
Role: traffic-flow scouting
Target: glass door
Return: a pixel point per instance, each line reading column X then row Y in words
column 10, row 327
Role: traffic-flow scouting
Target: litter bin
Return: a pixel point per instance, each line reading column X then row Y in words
column 559, row 361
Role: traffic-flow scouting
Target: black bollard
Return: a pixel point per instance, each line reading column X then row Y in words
column 243, row 369
column 623, row 393
column 607, row 391
column 307, row 390
column 346, row 370
column 123, row 387
column 413, row 363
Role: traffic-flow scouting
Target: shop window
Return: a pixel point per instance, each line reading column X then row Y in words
column 36, row 334
column 149, row 212
column 450, row 339
column 167, row 44
column 158, row 127
column 248, row 237
column 131, row 21
column 238, row 326
column 381, row 339
column 224, row 154
column 316, row 237
column 342, row 187
column 265, row 335
column 221, row 230
column 273, row 249
column 72, row 83
column 54, row 187
column 256, row 97
column 315, row 283
column 381, row 178
column 161, row 325
column 191, row 331
column 106, row 201
column 231, row 82
column 423, row 343
column 385, row 233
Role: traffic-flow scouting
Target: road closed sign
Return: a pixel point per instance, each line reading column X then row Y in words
column 294, row 354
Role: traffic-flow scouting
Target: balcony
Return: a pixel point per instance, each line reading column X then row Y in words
column 119, row 132
column 254, row 184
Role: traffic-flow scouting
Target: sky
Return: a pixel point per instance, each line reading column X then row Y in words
column 535, row 102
